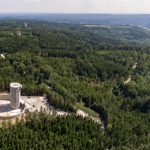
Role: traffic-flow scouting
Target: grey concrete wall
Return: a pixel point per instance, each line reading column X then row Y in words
column 14, row 97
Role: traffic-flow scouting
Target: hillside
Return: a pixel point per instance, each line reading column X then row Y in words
column 94, row 79
column 65, row 63
column 44, row 35
column 102, row 19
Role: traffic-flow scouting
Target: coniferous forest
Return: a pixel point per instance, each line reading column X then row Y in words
column 71, row 65
column 41, row 131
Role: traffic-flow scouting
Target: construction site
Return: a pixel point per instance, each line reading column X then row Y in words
column 13, row 105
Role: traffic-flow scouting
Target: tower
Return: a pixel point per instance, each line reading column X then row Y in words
column 26, row 25
column 15, row 90
column 19, row 33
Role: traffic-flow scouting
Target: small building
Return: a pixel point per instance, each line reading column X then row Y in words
column 19, row 33
column 26, row 25
column 2, row 56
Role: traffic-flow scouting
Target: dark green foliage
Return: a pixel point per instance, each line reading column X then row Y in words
column 43, row 36
column 40, row 131
column 64, row 84
column 63, row 64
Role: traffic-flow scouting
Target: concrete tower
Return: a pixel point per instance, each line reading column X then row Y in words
column 26, row 25
column 15, row 90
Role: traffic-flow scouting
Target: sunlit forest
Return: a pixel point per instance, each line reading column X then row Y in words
column 106, row 69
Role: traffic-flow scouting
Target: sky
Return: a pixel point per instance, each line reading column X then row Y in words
column 75, row 6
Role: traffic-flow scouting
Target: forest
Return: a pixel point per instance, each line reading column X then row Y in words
column 68, row 66
column 42, row 132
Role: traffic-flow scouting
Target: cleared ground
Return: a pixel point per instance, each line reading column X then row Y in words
column 38, row 103
column 35, row 103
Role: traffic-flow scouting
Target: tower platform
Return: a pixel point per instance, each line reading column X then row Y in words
column 7, row 113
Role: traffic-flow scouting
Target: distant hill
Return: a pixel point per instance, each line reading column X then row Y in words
column 56, row 36
column 104, row 19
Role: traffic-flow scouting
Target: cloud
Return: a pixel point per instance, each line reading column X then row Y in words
column 75, row 6
column 32, row 1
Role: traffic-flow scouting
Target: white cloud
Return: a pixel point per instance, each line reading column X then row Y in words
column 76, row 6
column 32, row 1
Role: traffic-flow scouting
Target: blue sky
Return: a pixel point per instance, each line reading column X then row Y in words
column 75, row 6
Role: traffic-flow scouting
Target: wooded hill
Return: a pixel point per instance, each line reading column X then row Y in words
column 43, row 35
column 70, row 76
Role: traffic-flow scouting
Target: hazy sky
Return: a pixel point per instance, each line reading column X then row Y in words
column 75, row 6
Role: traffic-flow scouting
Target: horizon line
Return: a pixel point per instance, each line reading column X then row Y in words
column 53, row 13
